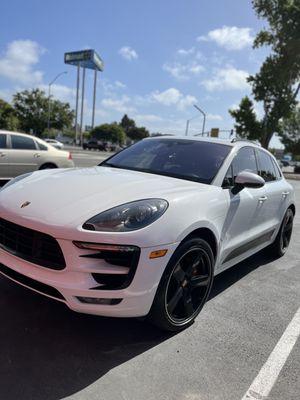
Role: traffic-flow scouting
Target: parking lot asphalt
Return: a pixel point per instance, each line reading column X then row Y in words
column 49, row 353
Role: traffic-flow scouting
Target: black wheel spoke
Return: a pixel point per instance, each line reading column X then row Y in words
column 175, row 300
column 179, row 274
column 288, row 227
column 187, row 302
column 200, row 280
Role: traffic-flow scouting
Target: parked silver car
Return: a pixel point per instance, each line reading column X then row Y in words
column 55, row 143
column 21, row 153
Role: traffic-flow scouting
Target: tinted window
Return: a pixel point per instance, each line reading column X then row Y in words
column 22, row 142
column 228, row 180
column 41, row 146
column 2, row 141
column 186, row 159
column 244, row 161
column 266, row 167
column 277, row 170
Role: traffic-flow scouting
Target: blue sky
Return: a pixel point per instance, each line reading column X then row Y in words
column 161, row 57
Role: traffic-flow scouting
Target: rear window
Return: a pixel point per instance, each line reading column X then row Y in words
column 22, row 143
column 179, row 158
column 2, row 141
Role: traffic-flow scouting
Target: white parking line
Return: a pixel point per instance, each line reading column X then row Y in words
column 265, row 380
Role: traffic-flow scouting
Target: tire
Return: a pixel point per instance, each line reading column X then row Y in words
column 48, row 166
column 184, row 286
column 282, row 241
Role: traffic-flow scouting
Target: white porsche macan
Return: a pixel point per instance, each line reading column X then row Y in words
column 144, row 233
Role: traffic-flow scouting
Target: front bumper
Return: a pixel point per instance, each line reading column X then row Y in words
column 76, row 280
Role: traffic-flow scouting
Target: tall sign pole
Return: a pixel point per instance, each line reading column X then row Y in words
column 77, row 102
column 94, row 98
column 82, row 105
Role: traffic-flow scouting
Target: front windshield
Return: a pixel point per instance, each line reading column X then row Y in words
column 179, row 158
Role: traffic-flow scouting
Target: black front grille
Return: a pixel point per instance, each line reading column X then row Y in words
column 30, row 245
column 30, row 283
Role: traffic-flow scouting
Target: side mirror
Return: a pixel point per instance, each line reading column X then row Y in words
column 247, row 179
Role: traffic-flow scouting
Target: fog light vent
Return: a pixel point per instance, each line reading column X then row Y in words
column 95, row 300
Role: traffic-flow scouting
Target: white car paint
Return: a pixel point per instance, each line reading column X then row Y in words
column 61, row 201
column 55, row 143
column 17, row 161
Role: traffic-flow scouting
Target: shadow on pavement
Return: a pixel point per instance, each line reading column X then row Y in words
column 48, row 352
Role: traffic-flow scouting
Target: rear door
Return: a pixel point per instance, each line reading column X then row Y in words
column 243, row 228
column 5, row 169
column 24, row 154
column 276, row 189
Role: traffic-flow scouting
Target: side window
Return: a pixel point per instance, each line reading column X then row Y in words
column 245, row 160
column 277, row 170
column 41, row 146
column 266, row 167
column 228, row 180
column 2, row 141
column 22, row 143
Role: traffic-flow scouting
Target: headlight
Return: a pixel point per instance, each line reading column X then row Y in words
column 15, row 180
column 128, row 217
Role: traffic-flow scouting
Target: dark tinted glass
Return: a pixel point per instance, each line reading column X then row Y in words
column 277, row 170
column 186, row 159
column 22, row 143
column 2, row 141
column 266, row 167
column 42, row 146
column 244, row 161
column 228, row 180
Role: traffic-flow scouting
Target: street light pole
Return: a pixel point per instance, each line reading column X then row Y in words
column 204, row 117
column 49, row 95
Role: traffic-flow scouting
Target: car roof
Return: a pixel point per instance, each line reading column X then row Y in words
column 22, row 134
column 227, row 142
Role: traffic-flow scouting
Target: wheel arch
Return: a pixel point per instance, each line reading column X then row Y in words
column 208, row 235
column 293, row 208
column 52, row 165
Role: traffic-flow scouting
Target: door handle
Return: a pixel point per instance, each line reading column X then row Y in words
column 285, row 194
column 2, row 154
column 37, row 155
column 262, row 199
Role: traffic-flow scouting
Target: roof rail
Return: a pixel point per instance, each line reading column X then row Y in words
column 244, row 140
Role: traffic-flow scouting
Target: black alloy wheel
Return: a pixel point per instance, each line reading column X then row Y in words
column 185, row 286
column 286, row 230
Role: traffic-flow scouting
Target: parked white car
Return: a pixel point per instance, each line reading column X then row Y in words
column 21, row 153
column 144, row 233
column 55, row 143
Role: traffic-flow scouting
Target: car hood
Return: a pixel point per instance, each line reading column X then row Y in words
column 71, row 196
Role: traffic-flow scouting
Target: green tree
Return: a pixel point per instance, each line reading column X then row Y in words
column 138, row 133
column 290, row 133
column 276, row 84
column 8, row 118
column 31, row 108
column 247, row 125
column 127, row 123
column 109, row 132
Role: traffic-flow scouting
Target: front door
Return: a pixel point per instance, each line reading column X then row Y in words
column 5, row 168
column 24, row 154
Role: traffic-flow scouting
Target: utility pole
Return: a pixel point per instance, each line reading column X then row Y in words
column 49, row 96
column 204, row 117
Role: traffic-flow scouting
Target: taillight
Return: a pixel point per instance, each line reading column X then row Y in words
column 70, row 156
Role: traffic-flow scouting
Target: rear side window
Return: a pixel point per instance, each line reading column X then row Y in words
column 22, row 143
column 41, row 146
column 244, row 161
column 2, row 141
column 277, row 170
column 266, row 168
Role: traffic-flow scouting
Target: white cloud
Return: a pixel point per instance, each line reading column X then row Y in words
column 17, row 63
column 186, row 52
column 228, row 78
column 144, row 118
column 120, row 85
column 173, row 97
column 229, row 37
column 121, row 104
column 168, row 97
column 128, row 53
column 60, row 92
column 181, row 71
column 214, row 117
